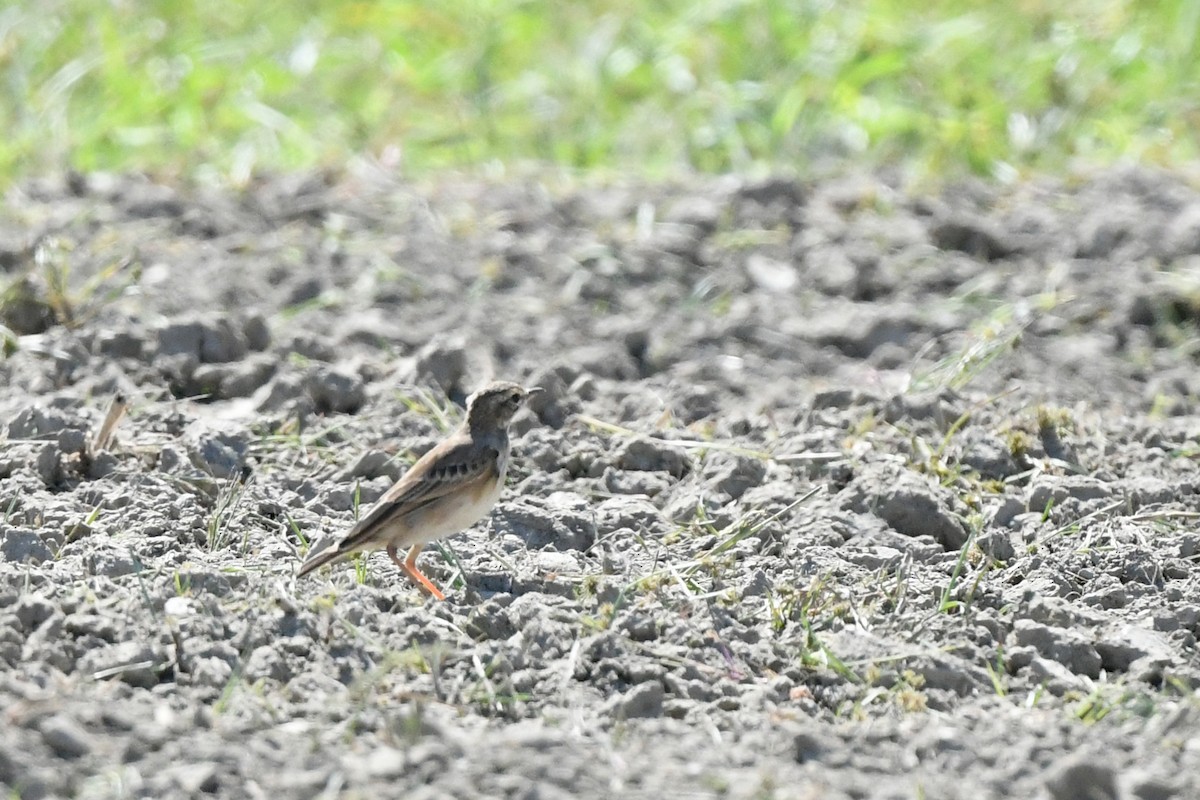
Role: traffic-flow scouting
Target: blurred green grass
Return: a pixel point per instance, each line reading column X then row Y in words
column 219, row 89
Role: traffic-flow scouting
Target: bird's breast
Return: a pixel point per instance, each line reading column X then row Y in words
column 459, row 510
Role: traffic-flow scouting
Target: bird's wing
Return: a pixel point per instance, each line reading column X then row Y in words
column 455, row 464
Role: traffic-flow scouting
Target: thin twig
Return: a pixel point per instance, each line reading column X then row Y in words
column 104, row 436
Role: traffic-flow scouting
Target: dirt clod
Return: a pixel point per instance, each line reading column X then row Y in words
column 833, row 490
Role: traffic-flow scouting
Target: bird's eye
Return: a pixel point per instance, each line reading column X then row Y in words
column 514, row 400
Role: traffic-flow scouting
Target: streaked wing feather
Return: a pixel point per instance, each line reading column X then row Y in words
column 459, row 465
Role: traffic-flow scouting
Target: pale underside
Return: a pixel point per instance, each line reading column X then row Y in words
column 387, row 525
column 448, row 514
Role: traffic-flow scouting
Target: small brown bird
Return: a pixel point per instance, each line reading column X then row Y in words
column 450, row 488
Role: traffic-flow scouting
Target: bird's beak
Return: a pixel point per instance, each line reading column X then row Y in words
column 532, row 390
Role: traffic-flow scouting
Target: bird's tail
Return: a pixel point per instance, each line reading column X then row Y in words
column 320, row 559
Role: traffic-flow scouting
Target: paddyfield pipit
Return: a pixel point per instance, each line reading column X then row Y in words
column 450, row 488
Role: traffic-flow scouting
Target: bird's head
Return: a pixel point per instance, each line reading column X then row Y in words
column 496, row 404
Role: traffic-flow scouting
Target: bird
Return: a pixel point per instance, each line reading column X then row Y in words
column 447, row 490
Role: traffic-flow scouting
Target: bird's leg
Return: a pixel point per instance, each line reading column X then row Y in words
column 409, row 565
